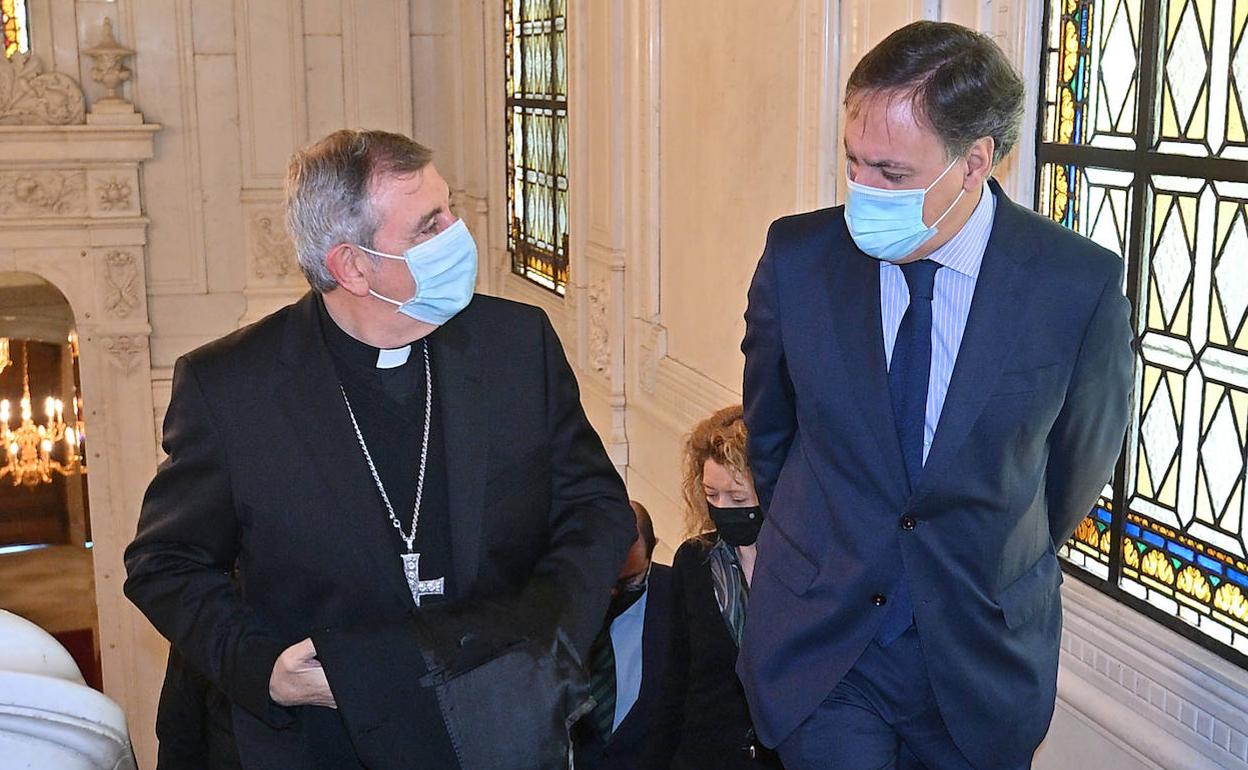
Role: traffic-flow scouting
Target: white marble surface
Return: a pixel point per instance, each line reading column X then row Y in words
column 48, row 717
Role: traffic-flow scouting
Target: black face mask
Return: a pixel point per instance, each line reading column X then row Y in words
column 737, row 526
column 626, row 596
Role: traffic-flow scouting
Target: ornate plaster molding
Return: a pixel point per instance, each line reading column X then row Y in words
column 30, row 97
column 653, row 349
column 113, row 194
column 599, row 331
column 274, row 255
column 53, row 192
column 124, row 350
column 121, row 278
column 1175, row 703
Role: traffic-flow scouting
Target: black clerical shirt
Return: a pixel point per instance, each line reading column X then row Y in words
column 389, row 405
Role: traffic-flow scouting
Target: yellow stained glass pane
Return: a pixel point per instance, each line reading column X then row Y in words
column 1235, row 121
column 16, row 29
column 537, row 234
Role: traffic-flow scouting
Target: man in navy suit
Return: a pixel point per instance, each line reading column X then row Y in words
column 628, row 661
column 936, row 389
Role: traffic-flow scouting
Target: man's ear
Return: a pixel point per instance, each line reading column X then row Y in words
column 349, row 267
column 978, row 163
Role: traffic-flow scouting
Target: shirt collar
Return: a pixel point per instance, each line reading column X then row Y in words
column 360, row 356
column 964, row 252
column 635, row 612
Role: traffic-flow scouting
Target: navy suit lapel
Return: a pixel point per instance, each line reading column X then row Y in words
column 991, row 329
column 461, row 396
column 853, row 301
column 309, row 393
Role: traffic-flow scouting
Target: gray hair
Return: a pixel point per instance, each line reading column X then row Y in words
column 957, row 80
column 328, row 190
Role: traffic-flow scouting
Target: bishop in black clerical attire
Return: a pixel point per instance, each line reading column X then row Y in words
column 423, row 526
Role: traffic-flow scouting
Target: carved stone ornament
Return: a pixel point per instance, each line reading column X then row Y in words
column 599, row 333
column 30, row 97
column 124, row 351
column 113, row 194
column 110, row 70
column 653, row 350
column 121, row 279
column 42, row 193
column 275, row 254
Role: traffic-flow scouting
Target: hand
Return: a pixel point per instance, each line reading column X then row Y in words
column 299, row 680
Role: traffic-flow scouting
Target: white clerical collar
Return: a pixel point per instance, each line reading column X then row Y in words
column 393, row 357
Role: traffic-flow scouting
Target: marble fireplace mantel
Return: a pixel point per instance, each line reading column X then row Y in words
column 72, row 213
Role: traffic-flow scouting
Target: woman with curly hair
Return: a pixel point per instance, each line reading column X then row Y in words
column 702, row 720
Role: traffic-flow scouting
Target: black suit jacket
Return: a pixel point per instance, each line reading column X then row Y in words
column 702, row 720
column 264, row 471
column 193, row 721
column 1032, row 424
column 624, row 750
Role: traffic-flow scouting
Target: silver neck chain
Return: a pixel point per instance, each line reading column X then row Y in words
column 408, row 538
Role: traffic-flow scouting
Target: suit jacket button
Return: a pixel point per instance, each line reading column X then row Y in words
column 879, row 600
column 908, row 523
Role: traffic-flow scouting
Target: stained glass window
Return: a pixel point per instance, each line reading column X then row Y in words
column 1142, row 149
column 16, row 30
column 537, row 140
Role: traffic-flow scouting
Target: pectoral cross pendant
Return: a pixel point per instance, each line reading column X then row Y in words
column 419, row 588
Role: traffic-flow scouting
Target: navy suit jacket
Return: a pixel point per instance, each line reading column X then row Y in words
column 628, row 743
column 1032, row 425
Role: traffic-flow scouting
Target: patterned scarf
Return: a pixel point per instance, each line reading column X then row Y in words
column 731, row 590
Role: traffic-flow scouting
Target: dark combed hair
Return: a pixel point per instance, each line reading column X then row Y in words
column 958, row 81
column 645, row 526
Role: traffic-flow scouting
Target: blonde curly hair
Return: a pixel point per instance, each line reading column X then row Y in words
column 720, row 437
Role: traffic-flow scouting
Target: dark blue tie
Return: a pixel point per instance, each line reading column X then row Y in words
column 908, row 373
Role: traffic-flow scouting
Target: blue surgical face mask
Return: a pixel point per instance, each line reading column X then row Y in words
column 888, row 224
column 445, row 271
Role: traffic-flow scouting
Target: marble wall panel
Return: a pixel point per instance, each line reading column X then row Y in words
column 375, row 39
column 326, row 96
column 727, row 166
column 272, row 101
column 220, row 169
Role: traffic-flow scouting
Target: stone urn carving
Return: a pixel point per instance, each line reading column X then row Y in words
column 111, row 72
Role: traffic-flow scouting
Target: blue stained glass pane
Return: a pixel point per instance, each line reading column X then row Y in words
column 1179, row 550
column 1209, row 564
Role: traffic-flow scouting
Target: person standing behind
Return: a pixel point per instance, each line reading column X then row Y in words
column 702, row 720
column 628, row 662
column 937, row 386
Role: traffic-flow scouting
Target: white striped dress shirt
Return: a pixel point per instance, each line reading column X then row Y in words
column 961, row 258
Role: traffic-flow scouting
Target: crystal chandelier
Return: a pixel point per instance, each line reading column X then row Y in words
column 32, row 449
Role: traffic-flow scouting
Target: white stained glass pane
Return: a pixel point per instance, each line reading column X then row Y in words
column 1192, row 149
column 1222, row 455
column 1160, row 433
column 1215, row 117
column 1117, row 64
column 1186, row 66
column 1172, row 263
column 1231, row 275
